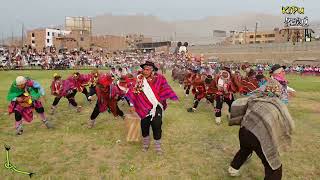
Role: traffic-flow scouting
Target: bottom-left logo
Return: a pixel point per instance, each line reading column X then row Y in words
column 10, row 166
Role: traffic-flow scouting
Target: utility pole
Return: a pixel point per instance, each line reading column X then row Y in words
column 213, row 35
column 255, row 32
column 2, row 39
column 11, row 37
column 245, row 34
column 22, row 35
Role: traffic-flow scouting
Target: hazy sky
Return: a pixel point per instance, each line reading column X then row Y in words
column 41, row 13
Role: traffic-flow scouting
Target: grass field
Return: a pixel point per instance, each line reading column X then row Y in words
column 195, row 147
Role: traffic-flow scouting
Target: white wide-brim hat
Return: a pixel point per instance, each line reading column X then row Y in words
column 20, row 80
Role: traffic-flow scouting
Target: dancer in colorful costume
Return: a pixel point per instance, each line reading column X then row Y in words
column 198, row 89
column 225, row 85
column 277, row 72
column 108, row 95
column 92, row 83
column 188, row 78
column 249, row 83
column 148, row 96
column 63, row 88
column 24, row 96
column 80, row 81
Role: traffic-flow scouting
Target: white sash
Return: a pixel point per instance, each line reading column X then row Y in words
column 151, row 97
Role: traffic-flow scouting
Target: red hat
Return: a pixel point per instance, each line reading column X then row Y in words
column 105, row 80
column 123, row 80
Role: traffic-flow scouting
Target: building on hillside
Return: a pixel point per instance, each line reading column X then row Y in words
column 133, row 39
column 81, row 30
column 287, row 34
column 260, row 37
column 155, row 46
column 81, row 24
column 296, row 34
column 237, row 38
column 65, row 43
column 79, row 37
column 109, row 42
column 42, row 38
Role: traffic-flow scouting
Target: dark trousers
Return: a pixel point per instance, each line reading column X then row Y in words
column 219, row 103
column 95, row 113
column 70, row 98
column 187, row 88
column 155, row 124
column 248, row 144
column 92, row 90
column 210, row 98
column 18, row 116
column 56, row 101
column 85, row 92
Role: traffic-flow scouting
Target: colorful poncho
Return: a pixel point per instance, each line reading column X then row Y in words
column 225, row 86
column 56, row 87
column 161, row 90
column 108, row 94
column 33, row 88
column 63, row 88
column 108, row 99
column 81, row 82
column 249, row 84
column 199, row 89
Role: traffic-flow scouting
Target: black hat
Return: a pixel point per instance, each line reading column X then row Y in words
column 252, row 73
column 196, row 70
column 226, row 68
column 259, row 77
column 149, row 63
column 76, row 74
column 208, row 79
column 275, row 67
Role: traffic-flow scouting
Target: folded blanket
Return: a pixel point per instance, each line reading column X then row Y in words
column 269, row 120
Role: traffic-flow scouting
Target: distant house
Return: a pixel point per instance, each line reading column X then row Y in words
column 155, row 46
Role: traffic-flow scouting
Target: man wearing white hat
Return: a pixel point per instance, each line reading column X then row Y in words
column 24, row 96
